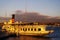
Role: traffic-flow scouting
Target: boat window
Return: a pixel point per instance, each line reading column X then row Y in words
column 25, row 29
column 31, row 29
column 39, row 29
column 28, row 29
column 35, row 29
column 21, row 28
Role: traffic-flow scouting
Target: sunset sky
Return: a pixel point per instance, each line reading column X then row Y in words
column 44, row 7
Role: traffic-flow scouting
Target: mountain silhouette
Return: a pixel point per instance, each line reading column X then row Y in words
column 32, row 17
column 35, row 17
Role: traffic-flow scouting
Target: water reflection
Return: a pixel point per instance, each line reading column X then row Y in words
column 29, row 38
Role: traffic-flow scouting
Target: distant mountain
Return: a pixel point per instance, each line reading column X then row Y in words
column 57, row 17
column 32, row 17
column 35, row 17
column 2, row 19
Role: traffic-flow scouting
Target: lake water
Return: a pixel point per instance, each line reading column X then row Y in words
column 54, row 36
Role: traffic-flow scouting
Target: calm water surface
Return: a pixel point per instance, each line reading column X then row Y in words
column 28, row 38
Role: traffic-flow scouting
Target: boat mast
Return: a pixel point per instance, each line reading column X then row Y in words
column 5, row 16
column 25, row 6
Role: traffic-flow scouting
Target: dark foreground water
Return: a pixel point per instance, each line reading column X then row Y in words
column 54, row 36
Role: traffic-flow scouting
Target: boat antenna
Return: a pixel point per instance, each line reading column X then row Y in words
column 25, row 6
column 5, row 15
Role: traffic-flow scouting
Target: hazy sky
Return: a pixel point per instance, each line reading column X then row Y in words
column 44, row 7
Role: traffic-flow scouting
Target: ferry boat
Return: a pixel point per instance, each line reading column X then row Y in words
column 19, row 28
